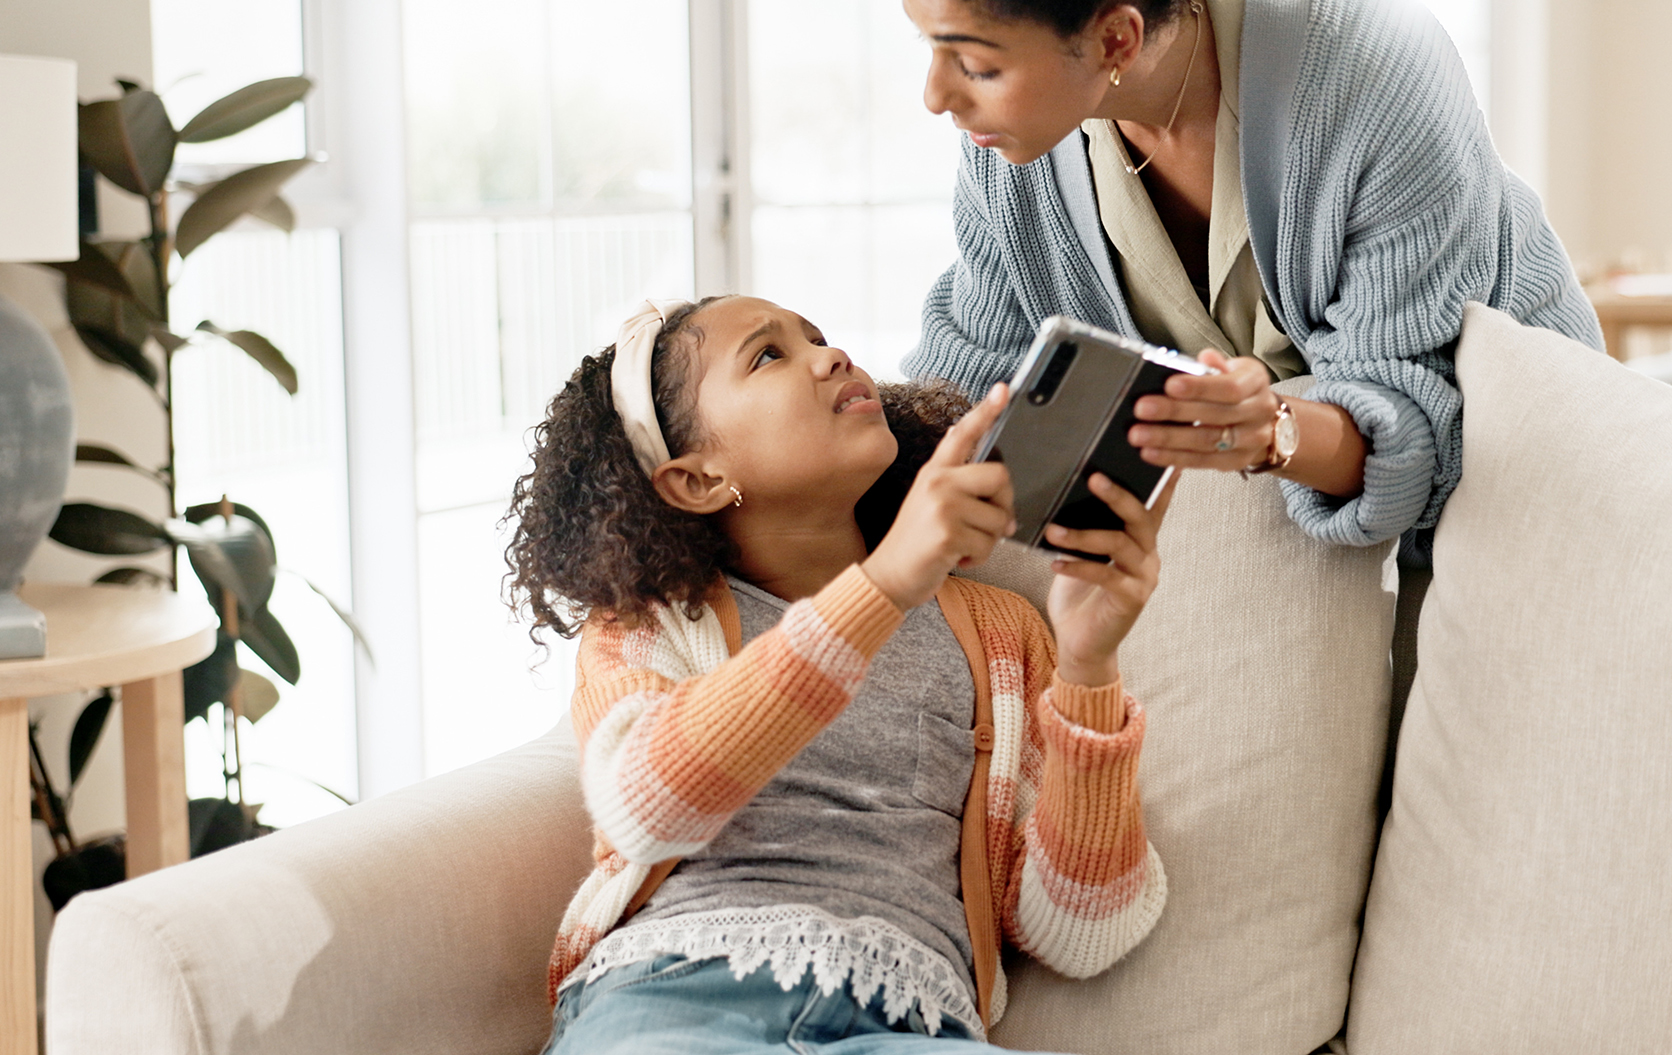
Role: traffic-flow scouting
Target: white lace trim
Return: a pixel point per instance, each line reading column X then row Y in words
column 867, row 952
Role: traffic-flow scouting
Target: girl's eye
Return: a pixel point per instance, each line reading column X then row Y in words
column 767, row 355
column 976, row 75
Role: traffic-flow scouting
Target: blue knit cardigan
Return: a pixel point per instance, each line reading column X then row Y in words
column 1376, row 205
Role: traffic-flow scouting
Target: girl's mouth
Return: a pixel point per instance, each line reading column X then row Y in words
column 856, row 398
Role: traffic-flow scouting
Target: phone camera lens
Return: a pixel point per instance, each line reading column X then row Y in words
column 1049, row 381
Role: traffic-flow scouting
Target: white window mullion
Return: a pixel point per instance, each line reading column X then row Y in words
column 720, row 198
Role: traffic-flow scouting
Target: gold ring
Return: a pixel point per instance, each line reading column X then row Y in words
column 1227, row 438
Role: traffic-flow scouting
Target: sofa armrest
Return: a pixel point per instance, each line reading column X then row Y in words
column 417, row 922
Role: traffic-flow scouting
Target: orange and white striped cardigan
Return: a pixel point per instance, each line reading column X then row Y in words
column 679, row 728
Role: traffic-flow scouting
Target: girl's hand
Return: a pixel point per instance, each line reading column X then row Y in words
column 953, row 516
column 1093, row 605
column 1235, row 406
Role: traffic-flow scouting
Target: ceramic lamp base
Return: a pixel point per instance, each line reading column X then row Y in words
column 22, row 629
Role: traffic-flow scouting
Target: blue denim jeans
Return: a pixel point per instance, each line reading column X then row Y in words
column 675, row 1006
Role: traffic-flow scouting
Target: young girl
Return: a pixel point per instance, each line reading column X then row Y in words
column 826, row 777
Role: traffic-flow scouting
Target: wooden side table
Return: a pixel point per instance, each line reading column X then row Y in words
column 96, row 636
column 1616, row 312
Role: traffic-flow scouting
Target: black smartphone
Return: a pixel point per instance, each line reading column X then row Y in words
column 1071, row 406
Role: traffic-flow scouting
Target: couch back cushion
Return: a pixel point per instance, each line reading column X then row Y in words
column 1262, row 661
column 1521, row 900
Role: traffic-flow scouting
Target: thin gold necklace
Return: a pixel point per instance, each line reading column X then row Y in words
column 1195, row 9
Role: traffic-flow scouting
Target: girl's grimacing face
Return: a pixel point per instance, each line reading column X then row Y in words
column 782, row 413
column 1013, row 86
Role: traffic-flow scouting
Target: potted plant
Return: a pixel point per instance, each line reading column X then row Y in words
column 117, row 296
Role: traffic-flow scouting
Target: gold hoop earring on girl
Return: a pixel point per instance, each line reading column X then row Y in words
column 737, row 496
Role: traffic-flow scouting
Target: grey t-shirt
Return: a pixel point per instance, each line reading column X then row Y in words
column 866, row 820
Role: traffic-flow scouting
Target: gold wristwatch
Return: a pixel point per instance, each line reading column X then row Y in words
column 1285, row 441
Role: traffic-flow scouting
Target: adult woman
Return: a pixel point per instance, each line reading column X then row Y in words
column 1307, row 185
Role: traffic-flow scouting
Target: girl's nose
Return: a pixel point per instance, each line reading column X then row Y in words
column 836, row 361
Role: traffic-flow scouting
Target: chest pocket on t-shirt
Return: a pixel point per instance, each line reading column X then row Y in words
column 945, row 763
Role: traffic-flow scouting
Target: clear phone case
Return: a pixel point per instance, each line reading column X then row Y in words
column 1071, row 406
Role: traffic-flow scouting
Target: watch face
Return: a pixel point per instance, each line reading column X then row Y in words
column 1286, row 437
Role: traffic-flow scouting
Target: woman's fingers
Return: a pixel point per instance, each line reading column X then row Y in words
column 959, row 443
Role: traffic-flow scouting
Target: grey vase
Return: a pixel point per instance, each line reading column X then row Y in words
column 37, row 448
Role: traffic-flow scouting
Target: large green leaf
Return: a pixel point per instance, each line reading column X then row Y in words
column 342, row 613
column 96, row 267
column 113, row 327
column 85, row 736
column 267, row 639
column 231, row 198
column 276, row 212
column 233, row 555
column 128, row 576
column 244, row 108
column 95, row 454
column 139, row 270
column 261, row 350
column 199, row 513
column 129, row 140
column 258, row 695
column 210, row 680
column 100, row 529
column 114, row 350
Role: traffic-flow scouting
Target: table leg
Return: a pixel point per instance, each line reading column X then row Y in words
column 154, row 757
column 1614, row 339
column 17, row 885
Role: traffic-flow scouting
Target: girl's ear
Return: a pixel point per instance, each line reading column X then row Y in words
column 685, row 484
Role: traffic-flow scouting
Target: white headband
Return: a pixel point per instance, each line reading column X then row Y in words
column 630, row 385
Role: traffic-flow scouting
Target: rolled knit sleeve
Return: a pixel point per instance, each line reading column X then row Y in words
column 1399, row 468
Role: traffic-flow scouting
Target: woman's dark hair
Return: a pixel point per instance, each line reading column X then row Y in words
column 591, row 532
column 1068, row 17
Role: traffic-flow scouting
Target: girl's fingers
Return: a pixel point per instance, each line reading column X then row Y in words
column 1122, row 551
column 988, row 480
column 961, row 439
column 1142, row 524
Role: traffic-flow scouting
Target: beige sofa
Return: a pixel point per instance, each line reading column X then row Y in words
column 1519, row 900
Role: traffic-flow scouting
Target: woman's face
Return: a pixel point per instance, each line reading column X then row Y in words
column 782, row 413
column 1015, row 86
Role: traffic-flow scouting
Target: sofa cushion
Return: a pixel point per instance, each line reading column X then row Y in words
column 1262, row 661
column 1520, row 900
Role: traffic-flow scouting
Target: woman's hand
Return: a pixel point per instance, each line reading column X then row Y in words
column 1221, row 421
column 953, row 516
column 1093, row 605
column 1237, row 407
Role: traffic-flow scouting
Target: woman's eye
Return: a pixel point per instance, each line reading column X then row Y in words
column 977, row 75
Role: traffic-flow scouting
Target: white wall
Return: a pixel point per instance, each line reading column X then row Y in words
column 107, row 39
column 1609, row 131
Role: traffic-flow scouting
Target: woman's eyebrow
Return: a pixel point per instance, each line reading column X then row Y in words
column 964, row 38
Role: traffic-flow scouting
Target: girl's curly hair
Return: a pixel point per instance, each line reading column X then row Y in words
column 592, row 534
